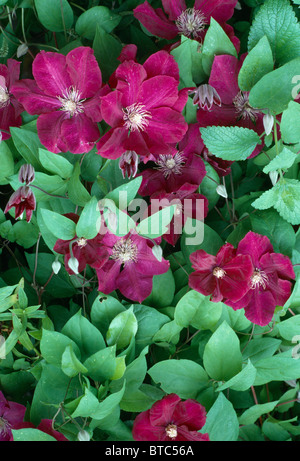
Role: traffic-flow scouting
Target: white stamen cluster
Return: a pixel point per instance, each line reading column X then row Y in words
column 170, row 164
column 259, row 279
column 71, row 102
column 125, row 251
column 219, row 272
column 191, row 23
column 171, row 431
column 136, row 117
column 81, row 242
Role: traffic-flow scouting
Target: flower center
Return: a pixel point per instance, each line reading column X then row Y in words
column 4, row 95
column 171, row 431
column 82, row 242
column 219, row 272
column 71, row 102
column 243, row 108
column 259, row 278
column 136, row 117
column 169, row 164
column 125, row 251
column 191, row 23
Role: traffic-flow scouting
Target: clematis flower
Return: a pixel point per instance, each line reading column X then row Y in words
column 171, row 171
column 131, row 266
column 225, row 275
column 10, row 108
column 26, row 174
column 23, row 199
column 270, row 282
column 234, row 109
column 11, row 413
column 189, row 205
column 129, row 164
column 66, row 96
column 171, row 419
column 84, row 251
column 190, row 22
column 144, row 111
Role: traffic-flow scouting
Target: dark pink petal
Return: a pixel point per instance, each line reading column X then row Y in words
column 107, row 276
column 161, row 412
column 220, row 10
column 130, row 76
column 49, row 131
column 128, row 53
column 147, row 263
column 226, row 253
column 235, row 284
column 227, row 87
column 50, row 72
column 278, row 263
column 161, row 63
column 191, row 414
column 92, row 108
column 14, row 413
column 133, row 284
column 192, row 141
column 186, row 435
column 255, row 245
column 174, row 8
column 144, row 431
column 46, row 426
column 159, row 91
column 84, row 71
column 226, row 115
column 168, row 123
column 111, row 108
column 8, row 119
column 79, row 134
column 112, row 144
column 203, row 282
column 157, row 24
column 13, row 72
column 183, row 96
column 260, row 308
column 202, row 261
column 34, row 100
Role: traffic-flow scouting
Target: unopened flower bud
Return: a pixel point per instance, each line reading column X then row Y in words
column 22, row 199
column 274, row 177
column 157, row 252
column 221, row 190
column 56, row 266
column 129, row 163
column 26, row 174
column 83, row 436
column 21, row 50
column 268, row 122
column 205, row 97
column 73, row 264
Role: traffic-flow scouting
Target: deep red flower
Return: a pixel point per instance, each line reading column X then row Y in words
column 189, row 203
column 171, row 171
column 235, row 109
column 224, row 276
column 269, row 284
column 11, row 413
column 22, row 199
column 144, row 111
column 131, row 266
column 10, row 108
column 66, row 96
column 170, row 420
column 85, row 251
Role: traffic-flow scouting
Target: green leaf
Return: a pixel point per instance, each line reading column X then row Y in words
column 56, row 15
column 280, row 367
column 55, row 163
column 7, row 163
column 284, row 160
column 221, row 421
column 27, row 143
column 258, row 62
column 76, row 190
column 277, row 20
column 230, row 142
column 195, row 309
column 157, row 224
column 289, row 328
column 189, row 59
column 89, row 222
column 117, row 221
column 107, row 50
column 222, row 357
column 190, row 243
column 53, row 345
column 31, row 435
column 87, row 337
column 70, row 364
column 122, row 329
column 102, row 16
column 183, row 377
column 104, row 309
column 290, row 123
column 60, row 226
column 242, row 381
column 276, row 89
column 124, row 194
column 253, row 413
column 160, row 297
column 216, row 42
column 101, row 365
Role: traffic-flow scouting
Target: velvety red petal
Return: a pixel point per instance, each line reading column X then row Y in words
column 161, row 413
column 255, row 245
column 226, row 253
column 260, row 308
column 84, row 71
column 227, row 87
column 161, row 63
column 202, row 261
column 159, row 91
column 133, row 284
column 203, row 282
column 167, row 123
column 220, row 10
column 155, row 23
column 111, row 108
column 185, row 435
column 174, row 8
column 13, row 72
column 34, row 100
column 50, row 72
column 49, row 131
column 144, row 431
column 111, row 145
column 130, row 76
column 79, row 134
column 278, row 263
column 107, row 276
column 191, row 414
column 46, row 426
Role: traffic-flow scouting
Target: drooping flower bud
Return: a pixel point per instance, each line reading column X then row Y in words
column 268, row 122
column 56, row 266
column 157, row 252
column 22, row 199
column 129, row 164
column 205, row 97
column 221, row 190
column 274, row 177
column 73, row 264
column 26, row 174
column 83, row 436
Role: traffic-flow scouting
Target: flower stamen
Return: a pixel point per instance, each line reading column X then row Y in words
column 71, row 102
column 259, row 278
column 219, row 272
column 125, row 251
column 244, row 110
column 169, row 164
column 136, row 117
column 191, row 23
column 171, row 431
